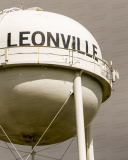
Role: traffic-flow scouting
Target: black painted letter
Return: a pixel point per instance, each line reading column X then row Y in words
column 50, row 36
column 9, row 41
column 73, row 43
column 78, row 43
column 42, row 38
column 87, row 50
column 66, row 44
column 94, row 52
column 23, row 38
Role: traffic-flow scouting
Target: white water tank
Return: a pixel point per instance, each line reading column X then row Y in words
column 39, row 55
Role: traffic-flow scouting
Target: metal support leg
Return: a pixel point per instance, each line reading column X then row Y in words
column 89, row 143
column 79, row 116
column 33, row 153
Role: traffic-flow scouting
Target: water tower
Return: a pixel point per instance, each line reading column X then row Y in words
column 52, row 78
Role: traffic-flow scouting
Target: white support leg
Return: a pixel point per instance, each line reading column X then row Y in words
column 79, row 116
column 89, row 143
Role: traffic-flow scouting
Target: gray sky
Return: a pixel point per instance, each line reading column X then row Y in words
column 107, row 20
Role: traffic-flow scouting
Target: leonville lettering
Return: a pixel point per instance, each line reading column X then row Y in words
column 48, row 38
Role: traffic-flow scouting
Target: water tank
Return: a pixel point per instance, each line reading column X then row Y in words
column 40, row 53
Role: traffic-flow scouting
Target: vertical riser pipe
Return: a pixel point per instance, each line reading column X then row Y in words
column 79, row 116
